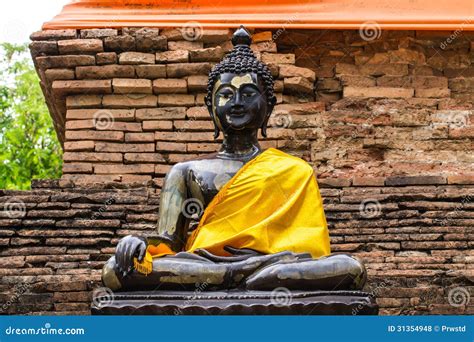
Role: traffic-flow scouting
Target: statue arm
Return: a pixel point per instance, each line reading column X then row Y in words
column 172, row 224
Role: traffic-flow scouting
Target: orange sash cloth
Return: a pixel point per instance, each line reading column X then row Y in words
column 272, row 204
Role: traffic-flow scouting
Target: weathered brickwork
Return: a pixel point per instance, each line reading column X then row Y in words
column 415, row 236
column 401, row 104
column 386, row 123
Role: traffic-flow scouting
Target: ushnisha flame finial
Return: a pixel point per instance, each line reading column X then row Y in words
column 241, row 37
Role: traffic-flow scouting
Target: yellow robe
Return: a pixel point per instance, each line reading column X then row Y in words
column 272, row 204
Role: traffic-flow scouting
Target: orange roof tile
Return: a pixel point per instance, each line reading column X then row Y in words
column 311, row 14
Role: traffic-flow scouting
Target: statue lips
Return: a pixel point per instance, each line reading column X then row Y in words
column 239, row 119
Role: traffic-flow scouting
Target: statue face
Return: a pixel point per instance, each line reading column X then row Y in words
column 239, row 102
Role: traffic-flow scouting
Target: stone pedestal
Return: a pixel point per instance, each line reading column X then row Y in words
column 237, row 303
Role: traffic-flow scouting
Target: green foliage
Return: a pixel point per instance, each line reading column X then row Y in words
column 28, row 144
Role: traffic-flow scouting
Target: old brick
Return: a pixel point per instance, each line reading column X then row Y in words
column 202, row 147
column 112, row 114
column 166, row 100
column 432, row 92
column 149, row 40
column 197, row 113
column 59, row 74
column 368, row 181
column 197, row 82
column 157, row 125
column 429, row 82
column 462, row 132
column 139, row 137
column 43, row 48
column 130, row 168
column 130, row 86
column 54, row 34
column 106, row 58
column 378, row 92
column 394, row 81
column 178, row 56
column 461, row 179
column 80, row 46
column 407, row 56
column 85, row 145
column 119, row 43
column 264, row 47
column 83, row 101
column 161, row 113
column 143, row 158
column 278, row 58
column 191, row 125
column 98, row 33
column 184, row 136
column 130, row 100
column 169, row 86
column 375, row 70
column 184, row 45
column 297, row 85
column 287, row 70
column 186, row 69
column 77, row 168
column 357, row 81
column 334, row 182
column 94, row 135
column 82, row 87
column 48, row 62
column 114, row 147
column 415, row 180
column 170, row 146
column 91, row 157
column 151, row 71
column 136, row 58
column 206, row 55
column 80, row 124
column 118, row 126
column 105, row 71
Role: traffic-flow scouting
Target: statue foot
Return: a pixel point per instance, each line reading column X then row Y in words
column 335, row 272
column 184, row 270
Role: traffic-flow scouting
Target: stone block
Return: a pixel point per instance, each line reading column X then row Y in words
column 169, row 86
column 80, row 46
column 105, row 71
column 136, row 58
column 177, row 56
column 131, row 86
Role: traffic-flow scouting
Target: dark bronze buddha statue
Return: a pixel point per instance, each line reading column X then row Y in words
column 258, row 221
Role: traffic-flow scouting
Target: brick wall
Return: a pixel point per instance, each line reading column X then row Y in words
column 414, row 233
column 386, row 123
column 128, row 103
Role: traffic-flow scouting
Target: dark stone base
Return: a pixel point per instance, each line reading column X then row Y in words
column 237, row 303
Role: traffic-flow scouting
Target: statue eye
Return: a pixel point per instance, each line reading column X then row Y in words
column 226, row 95
column 248, row 95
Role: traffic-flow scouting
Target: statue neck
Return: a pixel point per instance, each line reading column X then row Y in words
column 240, row 145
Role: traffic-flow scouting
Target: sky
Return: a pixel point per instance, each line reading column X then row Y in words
column 20, row 18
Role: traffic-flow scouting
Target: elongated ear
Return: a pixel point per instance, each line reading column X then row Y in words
column 270, row 106
column 213, row 118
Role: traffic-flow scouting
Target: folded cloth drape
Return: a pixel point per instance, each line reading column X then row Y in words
column 272, row 204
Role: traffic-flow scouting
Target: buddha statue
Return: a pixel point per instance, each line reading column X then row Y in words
column 241, row 218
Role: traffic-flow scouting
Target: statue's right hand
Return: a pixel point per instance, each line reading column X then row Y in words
column 129, row 247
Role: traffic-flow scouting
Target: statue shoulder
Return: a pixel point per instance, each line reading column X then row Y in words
column 291, row 160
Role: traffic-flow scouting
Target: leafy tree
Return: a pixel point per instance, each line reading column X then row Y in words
column 29, row 147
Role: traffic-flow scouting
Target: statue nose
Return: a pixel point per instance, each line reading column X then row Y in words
column 237, row 103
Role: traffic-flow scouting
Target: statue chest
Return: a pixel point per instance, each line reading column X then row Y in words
column 206, row 177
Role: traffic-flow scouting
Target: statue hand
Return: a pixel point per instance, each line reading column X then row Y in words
column 129, row 247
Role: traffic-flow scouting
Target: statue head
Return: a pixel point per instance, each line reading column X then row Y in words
column 240, row 90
